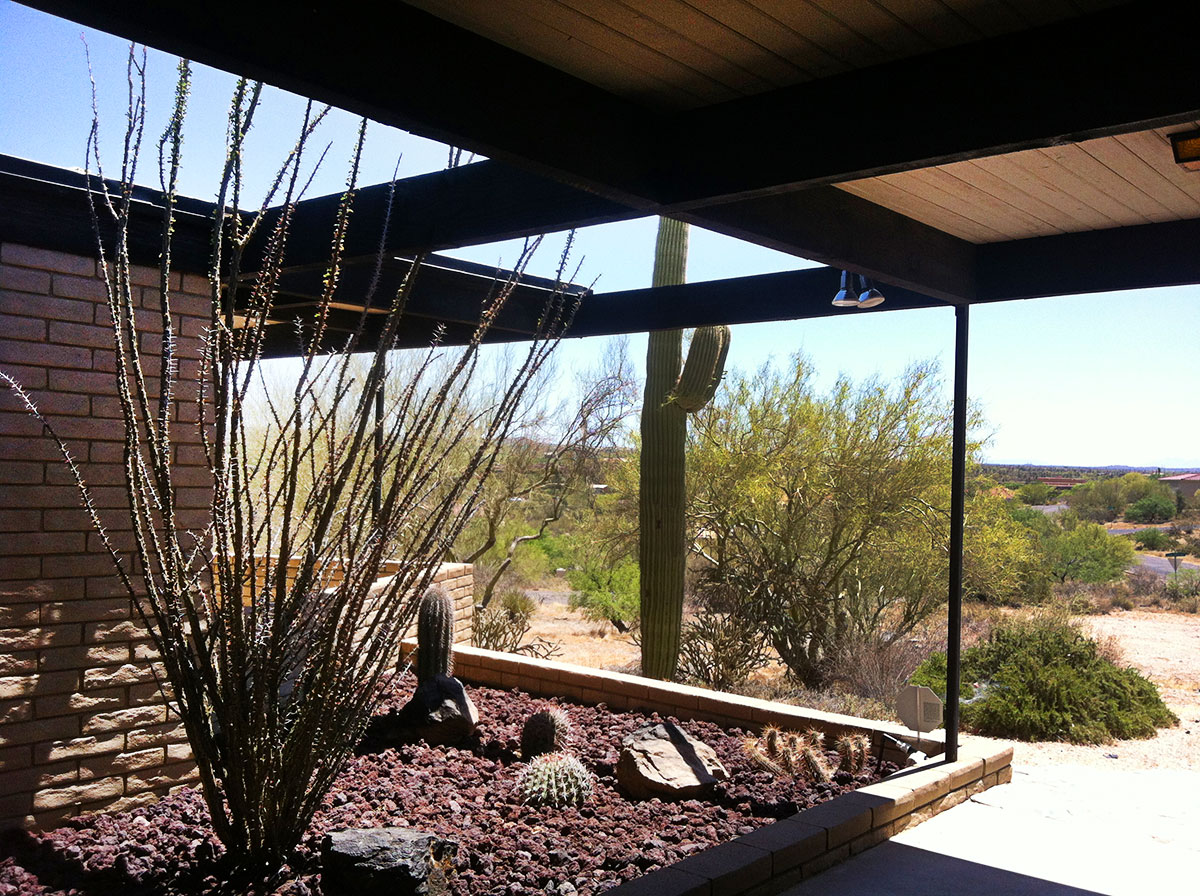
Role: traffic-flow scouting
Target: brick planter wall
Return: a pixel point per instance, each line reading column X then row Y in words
column 83, row 726
column 776, row 855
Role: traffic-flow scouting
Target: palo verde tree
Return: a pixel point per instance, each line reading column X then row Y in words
column 274, row 671
column 670, row 394
column 823, row 518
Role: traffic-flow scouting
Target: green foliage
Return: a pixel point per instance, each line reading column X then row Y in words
column 1041, row 678
column 1153, row 540
column 1076, row 551
column 1085, row 552
column 1104, row 500
column 556, row 780
column 606, row 593
column 1036, row 493
column 546, row 731
column 1151, row 509
column 826, row 514
column 435, row 635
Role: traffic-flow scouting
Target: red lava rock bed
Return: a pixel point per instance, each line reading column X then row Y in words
column 466, row 793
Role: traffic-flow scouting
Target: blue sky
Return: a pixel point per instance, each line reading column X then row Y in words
column 1090, row 380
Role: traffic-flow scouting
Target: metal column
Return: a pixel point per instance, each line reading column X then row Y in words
column 958, row 484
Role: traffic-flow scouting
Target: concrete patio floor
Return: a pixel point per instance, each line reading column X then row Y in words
column 1053, row 831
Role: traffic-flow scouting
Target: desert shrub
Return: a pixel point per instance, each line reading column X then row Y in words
column 503, row 627
column 721, row 649
column 784, row 689
column 875, row 667
column 1143, row 582
column 607, row 592
column 1153, row 540
column 1041, row 678
column 1183, row 590
column 1036, row 493
column 1151, row 509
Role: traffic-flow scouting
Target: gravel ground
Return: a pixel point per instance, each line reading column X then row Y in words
column 468, row 794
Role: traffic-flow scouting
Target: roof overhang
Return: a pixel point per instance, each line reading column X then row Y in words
column 807, row 167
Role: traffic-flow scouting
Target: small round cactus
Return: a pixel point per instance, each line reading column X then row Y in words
column 546, row 731
column 555, row 779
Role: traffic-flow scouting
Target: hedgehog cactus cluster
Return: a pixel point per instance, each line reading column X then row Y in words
column 555, row 779
column 790, row 754
column 546, row 731
column 853, row 751
column 435, row 635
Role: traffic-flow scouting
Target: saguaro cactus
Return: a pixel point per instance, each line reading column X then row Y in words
column 669, row 395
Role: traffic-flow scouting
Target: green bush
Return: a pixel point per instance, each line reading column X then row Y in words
column 607, row 593
column 1041, row 678
column 1183, row 590
column 1153, row 540
column 1036, row 493
column 1151, row 509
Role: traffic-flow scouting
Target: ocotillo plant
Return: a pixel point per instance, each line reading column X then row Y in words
column 670, row 394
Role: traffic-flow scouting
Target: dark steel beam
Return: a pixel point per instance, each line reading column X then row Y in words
column 1137, row 257
column 840, row 229
column 790, row 295
column 480, row 203
column 958, row 489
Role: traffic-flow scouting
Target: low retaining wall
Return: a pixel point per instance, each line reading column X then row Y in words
column 780, row 854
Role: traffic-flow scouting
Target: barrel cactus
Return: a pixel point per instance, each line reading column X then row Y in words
column 435, row 635
column 546, row 731
column 556, row 779
column 670, row 394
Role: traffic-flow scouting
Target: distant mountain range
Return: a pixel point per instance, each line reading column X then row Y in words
column 1033, row 472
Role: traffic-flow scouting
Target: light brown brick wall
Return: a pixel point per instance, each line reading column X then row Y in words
column 83, row 723
column 83, row 726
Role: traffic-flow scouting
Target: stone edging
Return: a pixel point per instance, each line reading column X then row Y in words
column 780, row 854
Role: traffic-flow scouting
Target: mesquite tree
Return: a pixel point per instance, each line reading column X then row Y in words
column 274, row 671
column 669, row 396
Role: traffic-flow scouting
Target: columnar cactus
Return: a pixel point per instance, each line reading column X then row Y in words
column 546, row 731
column 669, row 396
column 789, row 754
column 435, row 635
column 555, row 779
column 853, row 751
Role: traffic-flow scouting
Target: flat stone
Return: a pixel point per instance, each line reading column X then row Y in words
column 386, row 862
column 665, row 761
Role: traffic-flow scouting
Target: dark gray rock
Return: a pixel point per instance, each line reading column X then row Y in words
column 440, row 711
column 665, row 761
column 386, row 862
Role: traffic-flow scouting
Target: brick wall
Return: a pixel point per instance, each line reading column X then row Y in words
column 83, row 726
column 82, row 723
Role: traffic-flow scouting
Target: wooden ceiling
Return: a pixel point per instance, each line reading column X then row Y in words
column 962, row 150
column 675, row 54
